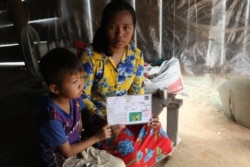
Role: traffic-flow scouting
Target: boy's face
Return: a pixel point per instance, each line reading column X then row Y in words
column 72, row 85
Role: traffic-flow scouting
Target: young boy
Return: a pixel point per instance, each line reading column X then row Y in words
column 60, row 123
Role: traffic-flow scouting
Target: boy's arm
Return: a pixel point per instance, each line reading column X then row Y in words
column 72, row 149
column 80, row 124
column 81, row 108
column 68, row 149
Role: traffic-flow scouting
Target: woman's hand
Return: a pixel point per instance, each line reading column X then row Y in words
column 154, row 122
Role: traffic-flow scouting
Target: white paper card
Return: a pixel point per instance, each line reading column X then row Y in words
column 130, row 109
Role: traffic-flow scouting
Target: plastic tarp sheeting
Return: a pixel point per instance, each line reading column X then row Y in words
column 207, row 36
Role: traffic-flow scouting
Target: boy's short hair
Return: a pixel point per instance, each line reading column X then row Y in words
column 58, row 62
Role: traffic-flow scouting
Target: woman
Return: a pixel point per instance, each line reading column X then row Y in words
column 113, row 66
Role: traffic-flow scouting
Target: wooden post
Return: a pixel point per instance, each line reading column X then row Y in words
column 19, row 16
column 173, row 119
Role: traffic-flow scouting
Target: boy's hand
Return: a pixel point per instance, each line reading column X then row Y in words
column 116, row 129
column 104, row 133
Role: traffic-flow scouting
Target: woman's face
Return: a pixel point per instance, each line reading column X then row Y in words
column 120, row 30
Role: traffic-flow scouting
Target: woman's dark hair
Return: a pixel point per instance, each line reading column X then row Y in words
column 100, row 41
column 58, row 62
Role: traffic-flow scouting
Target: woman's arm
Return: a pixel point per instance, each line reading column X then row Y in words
column 137, row 85
column 88, row 76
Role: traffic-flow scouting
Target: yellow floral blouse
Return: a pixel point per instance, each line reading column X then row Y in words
column 103, row 78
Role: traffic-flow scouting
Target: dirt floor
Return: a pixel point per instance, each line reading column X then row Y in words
column 208, row 137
